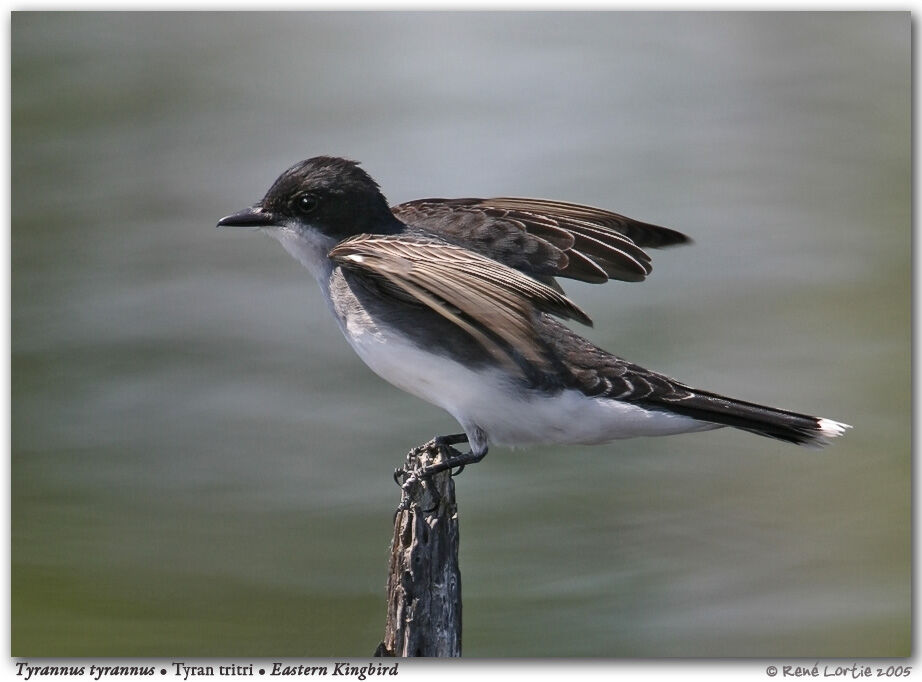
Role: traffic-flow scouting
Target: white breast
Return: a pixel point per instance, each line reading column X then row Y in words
column 503, row 411
column 488, row 399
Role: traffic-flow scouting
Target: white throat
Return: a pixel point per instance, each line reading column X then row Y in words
column 309, row 247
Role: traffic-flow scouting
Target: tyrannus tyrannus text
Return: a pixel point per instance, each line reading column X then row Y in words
column 456, row 301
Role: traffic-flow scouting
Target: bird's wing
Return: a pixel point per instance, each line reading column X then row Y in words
column 495, row 304
column 544, row 238
column 597, row 373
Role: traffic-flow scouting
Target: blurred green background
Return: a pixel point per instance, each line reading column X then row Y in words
column 201, row 466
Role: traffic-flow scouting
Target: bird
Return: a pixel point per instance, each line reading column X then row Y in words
column 457, row 302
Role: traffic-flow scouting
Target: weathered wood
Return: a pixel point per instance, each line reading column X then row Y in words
column 424, row 582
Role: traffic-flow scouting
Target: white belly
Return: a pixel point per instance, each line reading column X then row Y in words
column 506, row 414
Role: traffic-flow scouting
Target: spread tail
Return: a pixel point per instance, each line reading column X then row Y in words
column 801, row 429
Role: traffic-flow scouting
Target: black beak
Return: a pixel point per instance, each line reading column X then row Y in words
column 248, row 217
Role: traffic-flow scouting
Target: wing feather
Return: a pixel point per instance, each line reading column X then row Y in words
column 492, row 302
column 544, row 238
column 641, row 233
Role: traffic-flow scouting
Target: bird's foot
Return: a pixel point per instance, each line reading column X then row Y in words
column 445, row 458
column 443, row 444
column 453, row 460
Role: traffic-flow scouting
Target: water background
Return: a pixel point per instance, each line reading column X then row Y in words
column 201, row 466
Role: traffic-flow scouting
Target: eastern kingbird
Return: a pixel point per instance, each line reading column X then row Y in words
column 456, row 301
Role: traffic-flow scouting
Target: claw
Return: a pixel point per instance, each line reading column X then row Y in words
column 452, row 461
column 451, row 439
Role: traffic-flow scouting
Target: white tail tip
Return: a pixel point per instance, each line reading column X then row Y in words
column 832, row 429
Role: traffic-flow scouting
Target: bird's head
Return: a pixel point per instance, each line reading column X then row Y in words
column 325, row 195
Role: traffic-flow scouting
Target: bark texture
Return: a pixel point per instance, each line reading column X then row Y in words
column 424, row 582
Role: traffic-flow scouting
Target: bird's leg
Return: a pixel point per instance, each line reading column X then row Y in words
column 443, row 443
column 459, row 459
column 452, row 439
column 449, row 458
column 418, row 471
column 423, row 475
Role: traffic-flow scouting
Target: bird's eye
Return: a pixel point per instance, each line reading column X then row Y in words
column 306, row 203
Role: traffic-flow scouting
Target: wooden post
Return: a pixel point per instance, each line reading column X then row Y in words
column 424, row 582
